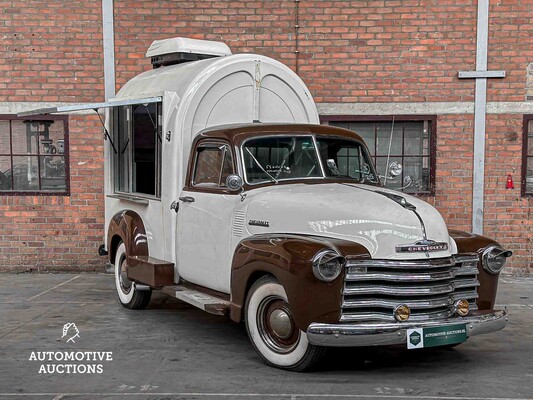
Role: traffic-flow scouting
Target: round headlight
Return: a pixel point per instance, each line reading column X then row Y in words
column 494, row 259
column 327, row 265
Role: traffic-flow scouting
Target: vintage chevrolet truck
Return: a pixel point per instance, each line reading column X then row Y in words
column 224, row 191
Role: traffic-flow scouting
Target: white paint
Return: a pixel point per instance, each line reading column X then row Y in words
column 53, row 288
column 186, row 45
column 203, row 247
column 108, row 38
column 354, row 213
column 422, row 108
column 199, row 95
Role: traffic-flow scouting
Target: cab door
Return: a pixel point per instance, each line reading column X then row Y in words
column 204, row 217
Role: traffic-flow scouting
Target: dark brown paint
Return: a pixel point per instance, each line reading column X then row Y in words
column 488, row 283
column 289, row 259
column 127, row 225
column 150, row 271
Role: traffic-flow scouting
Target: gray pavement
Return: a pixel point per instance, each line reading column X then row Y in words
column 174, row 351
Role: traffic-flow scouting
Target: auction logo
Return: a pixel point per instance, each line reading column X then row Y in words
column 71, row 362
column 71, row 326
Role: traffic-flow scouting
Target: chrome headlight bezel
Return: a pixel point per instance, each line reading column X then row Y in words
column 493, row 259
column 321, row 261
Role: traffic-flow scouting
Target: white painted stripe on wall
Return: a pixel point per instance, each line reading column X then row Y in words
column 418, row 108
column 431, row 108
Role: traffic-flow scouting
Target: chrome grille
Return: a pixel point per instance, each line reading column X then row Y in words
column 373, row 288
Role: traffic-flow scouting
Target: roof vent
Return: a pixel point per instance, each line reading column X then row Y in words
column 179, row 50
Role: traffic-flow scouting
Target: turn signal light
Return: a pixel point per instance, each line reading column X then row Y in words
column 402, row 313
column 461, row 307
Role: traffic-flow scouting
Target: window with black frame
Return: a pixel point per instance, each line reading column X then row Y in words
column 137, row 135
column 527, row 163
column 33, row 155
column 403, row 149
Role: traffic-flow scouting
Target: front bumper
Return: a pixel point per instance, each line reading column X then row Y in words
column 382, row 334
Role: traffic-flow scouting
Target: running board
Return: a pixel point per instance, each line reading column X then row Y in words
column 206, row 302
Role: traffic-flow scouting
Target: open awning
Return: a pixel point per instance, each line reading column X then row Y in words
column 89, row 106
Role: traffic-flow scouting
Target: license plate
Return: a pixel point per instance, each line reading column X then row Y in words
column 436, row 336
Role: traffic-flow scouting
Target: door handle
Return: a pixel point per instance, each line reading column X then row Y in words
column 187, row 199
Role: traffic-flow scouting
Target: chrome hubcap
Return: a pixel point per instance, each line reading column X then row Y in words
column 280, row 323
column 125, row 283
column 276, row 326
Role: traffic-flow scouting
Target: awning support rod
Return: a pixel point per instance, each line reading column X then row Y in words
column 106, row 133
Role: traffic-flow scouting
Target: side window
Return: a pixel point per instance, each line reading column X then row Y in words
column 137, row 133
column 213, row 164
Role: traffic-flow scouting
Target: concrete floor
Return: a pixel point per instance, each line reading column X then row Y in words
column 174, row 351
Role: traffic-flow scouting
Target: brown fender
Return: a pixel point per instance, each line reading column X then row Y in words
column 289, row 259
column 127, row 225
column 488, row 283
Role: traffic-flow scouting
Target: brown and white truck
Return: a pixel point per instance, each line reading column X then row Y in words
column 223, row 190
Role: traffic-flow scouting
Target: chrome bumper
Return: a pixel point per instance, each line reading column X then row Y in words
column 380, row 334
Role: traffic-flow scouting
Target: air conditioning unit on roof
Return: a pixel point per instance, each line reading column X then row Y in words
column 179, row 50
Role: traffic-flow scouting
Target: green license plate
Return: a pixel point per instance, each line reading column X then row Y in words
column 436, row 336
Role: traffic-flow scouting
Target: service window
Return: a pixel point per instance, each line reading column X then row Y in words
column 33, row 155
column 213, row 164
column 137, row 136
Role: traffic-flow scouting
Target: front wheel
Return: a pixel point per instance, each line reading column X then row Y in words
column 128, row 294
column 272, row 330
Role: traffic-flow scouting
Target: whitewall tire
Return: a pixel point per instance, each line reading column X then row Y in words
column 128, row 294
column 272, row 331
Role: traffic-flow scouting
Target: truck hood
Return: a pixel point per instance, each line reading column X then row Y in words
column 364, row 214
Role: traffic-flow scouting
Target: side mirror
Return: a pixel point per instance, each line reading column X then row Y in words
column 395, row 169
column 234, row 182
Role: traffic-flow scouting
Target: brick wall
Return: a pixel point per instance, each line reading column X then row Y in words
column 349, row 52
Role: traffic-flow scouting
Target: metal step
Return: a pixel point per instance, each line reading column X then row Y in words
column 203, row 301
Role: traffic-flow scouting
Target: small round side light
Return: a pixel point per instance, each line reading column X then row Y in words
column 402, row 313
column 461, row 307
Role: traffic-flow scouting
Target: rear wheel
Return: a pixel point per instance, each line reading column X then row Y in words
column 128, row 294
column 272, row 330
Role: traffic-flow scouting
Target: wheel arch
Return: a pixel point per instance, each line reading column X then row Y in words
column 289, row 259
column 127, row 226
column 488, row 283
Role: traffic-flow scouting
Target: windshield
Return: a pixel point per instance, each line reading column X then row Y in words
column 276, row 158
column 344, row 158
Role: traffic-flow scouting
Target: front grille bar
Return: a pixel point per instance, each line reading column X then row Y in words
column 374, row 288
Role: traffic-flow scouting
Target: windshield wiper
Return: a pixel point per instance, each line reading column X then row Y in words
column 293, row 147
column 272, row 179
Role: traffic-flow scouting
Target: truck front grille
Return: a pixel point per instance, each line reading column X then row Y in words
column 373, row 288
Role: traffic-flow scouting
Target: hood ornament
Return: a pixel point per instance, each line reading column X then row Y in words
column 422, row 246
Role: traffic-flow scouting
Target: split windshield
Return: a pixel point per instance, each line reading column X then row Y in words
column 276, row 158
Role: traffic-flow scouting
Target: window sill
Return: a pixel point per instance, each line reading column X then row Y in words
column 131, row 199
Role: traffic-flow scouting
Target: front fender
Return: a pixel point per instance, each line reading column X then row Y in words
column 289, row 259
column 488, row 283
column 129, row 227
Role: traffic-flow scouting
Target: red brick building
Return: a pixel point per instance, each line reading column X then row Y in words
column 374, row 66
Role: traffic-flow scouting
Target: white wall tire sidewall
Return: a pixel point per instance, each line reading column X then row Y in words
column 282, row 360
column 124, row 298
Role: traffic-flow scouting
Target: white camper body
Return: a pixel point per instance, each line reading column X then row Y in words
column 232, row 89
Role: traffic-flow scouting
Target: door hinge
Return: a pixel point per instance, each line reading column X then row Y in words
column 175, row 206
